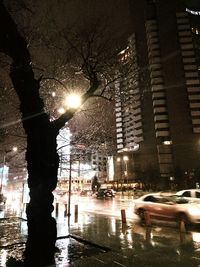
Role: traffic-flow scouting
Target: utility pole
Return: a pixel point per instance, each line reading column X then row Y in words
column 69, row 195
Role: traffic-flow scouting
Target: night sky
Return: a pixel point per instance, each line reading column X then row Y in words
column 195, row 4
column 115, row 13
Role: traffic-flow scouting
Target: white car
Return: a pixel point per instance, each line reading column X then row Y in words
column 190, row 194
column 164, row 207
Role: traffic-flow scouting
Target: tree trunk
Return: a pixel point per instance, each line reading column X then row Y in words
column 41, row 156
column 42, row 163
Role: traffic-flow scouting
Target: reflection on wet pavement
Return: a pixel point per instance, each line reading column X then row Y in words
column 12, row 230
column 13, row 233
column 71, row 250
column 136, row 245
column 131, row 244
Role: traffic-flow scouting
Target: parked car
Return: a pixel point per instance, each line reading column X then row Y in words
column 190, row 194
column 105, row 193
column 168, row 208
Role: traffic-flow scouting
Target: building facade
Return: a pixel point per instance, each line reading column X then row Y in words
column 158, row 101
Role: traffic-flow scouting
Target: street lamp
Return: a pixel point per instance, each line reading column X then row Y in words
column 61, row 110
column 125, row 160
column 73, row 101
column 120, row 174
column 70, row 190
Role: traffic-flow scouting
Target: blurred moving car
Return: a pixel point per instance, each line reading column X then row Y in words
column 190, row 194
column 105, row 193
column 168, row 208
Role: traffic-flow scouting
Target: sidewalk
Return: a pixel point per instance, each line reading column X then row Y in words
column 132, row 245
column 99, row 240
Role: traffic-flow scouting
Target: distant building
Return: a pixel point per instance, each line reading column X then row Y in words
column 80, row 162
column 158, row 102
column 99, row 165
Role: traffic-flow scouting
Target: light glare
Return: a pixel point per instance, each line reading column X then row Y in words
column 125, row 158
column 61, row 110
column 73, row 101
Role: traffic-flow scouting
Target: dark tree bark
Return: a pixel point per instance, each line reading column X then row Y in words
column 41, row 155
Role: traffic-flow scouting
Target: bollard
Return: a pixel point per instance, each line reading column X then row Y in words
column 123, row 216
column 124, row 228
column 148, row 234
column 182, row 226
column 76, row 214
column 182, row 230
column 57, row 208
column 65, row 211
column 147, row 218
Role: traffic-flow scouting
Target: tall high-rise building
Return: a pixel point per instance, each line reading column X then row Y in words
column 158, row 101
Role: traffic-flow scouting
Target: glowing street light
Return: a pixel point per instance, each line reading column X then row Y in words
column 125, row 158
column 73, row 101
column 118, row 159
column 61, row 110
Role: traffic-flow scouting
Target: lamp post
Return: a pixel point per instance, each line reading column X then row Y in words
column 70, row 190
column 120, row 172
column 125, row 159
column 72, row 101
